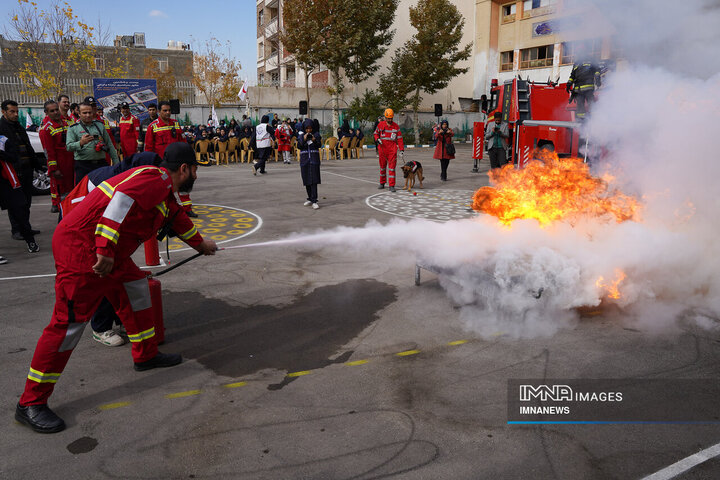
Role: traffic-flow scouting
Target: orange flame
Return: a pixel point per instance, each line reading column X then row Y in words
column 611, row 289
column 552, row 190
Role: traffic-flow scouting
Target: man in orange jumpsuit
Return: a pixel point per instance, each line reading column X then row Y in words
column 92, row 247
column 161, row 133
column 60, row 162
column 389, row 140
column 129, row 129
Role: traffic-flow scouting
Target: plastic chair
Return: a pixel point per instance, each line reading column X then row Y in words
column 358, row 148
column 329, row 148
column 201, row 150
column 221, row 153
column 233, row 149
column 345, row 147
column 245, row 150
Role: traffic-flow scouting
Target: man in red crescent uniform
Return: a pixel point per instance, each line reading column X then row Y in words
column 161, row 133
column 60, row 162
column 389, row 140
column 129, row 129
column 92, row 247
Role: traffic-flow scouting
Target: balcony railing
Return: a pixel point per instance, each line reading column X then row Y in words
column 271, row 63
column 271, row 29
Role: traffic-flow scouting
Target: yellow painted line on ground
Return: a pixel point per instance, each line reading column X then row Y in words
column 407, row 352
column 110, row 406
column 356, row 362
column 457, row 342
column 189, row 393
column 299, row 374
column 235, row 385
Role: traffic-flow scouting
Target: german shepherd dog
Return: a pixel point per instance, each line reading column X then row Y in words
column 411, row 171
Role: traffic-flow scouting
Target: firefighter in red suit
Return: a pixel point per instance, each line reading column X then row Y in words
column 161, row 133
column 92, row 247
column 389, row 140
column 60, row 162
column 129, row 130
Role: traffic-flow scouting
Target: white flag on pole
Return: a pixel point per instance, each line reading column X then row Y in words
column 243, row 90
column 215, row 121
column 28, row 121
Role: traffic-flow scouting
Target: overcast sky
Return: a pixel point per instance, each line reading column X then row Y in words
column 186, row 21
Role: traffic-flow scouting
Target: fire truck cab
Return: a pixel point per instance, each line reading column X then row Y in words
column 538, row 116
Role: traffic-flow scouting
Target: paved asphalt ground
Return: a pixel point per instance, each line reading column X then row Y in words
column 302, row 363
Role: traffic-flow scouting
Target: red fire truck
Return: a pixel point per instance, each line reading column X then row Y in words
column 538, row 116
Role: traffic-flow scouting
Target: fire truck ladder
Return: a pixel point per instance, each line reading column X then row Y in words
column 523, row 99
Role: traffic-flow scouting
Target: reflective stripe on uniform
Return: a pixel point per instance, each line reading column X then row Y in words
column 139, row 337
column 163, row 209
column 106, row 189
column 189, row 234
column 72, row 336
column 138, row 292
column 41, row 377
column 107, row 232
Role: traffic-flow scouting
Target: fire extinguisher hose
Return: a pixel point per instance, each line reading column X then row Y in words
column 182, row 262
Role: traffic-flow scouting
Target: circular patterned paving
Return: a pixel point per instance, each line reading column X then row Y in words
column 439, row 204
column 220, row 223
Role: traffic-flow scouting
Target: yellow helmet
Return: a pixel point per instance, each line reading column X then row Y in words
column 389, row 113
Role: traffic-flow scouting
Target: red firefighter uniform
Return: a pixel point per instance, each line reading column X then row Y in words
column 52, row 137
column 390, row 140
column 113, row 220
column 158, row 136
column 129, row 128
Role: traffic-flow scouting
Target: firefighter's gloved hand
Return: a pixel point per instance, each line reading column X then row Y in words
column 568, row 88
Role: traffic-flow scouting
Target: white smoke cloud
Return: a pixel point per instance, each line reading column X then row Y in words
column 659, row 117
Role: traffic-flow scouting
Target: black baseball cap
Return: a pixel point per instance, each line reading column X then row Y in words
column 178, row 153
column 89, row 100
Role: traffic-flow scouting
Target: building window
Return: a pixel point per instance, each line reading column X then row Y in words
column 508, row 13
column 275, row 79
column 99, row 64
column 163, row 64
column 581, row 50
column 261, row 79
column 532, row 8
column 261, row 50
column 261, row 18
column 506, row 61
column 536, row 57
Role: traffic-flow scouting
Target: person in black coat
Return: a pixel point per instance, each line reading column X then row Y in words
column 309, row 144
column 19, row 153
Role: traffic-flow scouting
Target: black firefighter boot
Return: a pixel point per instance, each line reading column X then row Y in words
column 40, row 418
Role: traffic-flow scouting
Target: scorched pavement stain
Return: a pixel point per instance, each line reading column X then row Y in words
column 236, row 341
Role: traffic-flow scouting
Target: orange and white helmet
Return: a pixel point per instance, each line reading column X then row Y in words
column 389, row 113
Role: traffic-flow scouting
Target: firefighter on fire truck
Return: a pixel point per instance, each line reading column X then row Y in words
column 584, row 79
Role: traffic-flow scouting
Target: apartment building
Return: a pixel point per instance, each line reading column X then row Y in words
column 537, row 39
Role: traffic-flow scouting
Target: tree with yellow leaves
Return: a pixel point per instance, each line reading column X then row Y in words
column 50, row 46
column 216, row 75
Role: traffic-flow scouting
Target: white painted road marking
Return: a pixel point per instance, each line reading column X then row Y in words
column 685, row 464
column 325, row 172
